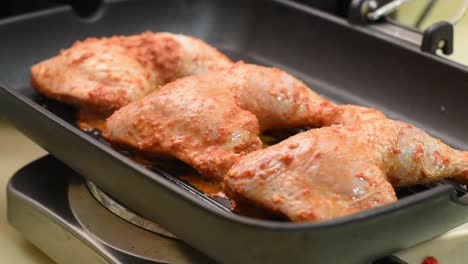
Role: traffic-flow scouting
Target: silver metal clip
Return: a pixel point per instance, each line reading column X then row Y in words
column 384, row 10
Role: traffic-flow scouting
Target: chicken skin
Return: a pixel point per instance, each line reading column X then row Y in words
column 105, row 74
column 339, row 170
column 209, row 121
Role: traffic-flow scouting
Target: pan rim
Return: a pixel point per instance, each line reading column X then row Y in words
column 366, row 215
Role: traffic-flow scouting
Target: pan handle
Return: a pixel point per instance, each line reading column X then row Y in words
column 438, row 36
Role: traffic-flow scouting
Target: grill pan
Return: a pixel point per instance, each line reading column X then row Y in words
column 349, row 64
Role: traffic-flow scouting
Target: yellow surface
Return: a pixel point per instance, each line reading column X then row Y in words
column 15, row 151
column 442, row 10
column 449, row 248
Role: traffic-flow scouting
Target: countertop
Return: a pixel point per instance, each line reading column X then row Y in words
column 16, row 151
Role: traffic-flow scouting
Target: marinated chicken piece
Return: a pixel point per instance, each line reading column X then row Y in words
column 107, row 73
column 190, row 119
column 210, row 120
column 335, row 171
column 281, row 101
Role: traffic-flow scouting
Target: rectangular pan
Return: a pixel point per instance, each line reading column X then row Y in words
column 345, row 63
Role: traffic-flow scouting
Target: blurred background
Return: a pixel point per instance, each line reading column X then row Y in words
column 410, row 14
column 416, row 13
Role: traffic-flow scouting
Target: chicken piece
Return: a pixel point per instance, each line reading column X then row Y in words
column 210, row 120
column 195, row 119
column 281, row 101
column 339, row 170
column 107, row 73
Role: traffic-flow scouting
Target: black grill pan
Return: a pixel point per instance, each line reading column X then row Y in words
column 345, row 63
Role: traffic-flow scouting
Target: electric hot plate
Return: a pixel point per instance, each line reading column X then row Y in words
column 73, row 222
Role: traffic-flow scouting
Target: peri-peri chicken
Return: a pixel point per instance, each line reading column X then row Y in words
column 339, row 170
column 105, row 74
column 210, row 120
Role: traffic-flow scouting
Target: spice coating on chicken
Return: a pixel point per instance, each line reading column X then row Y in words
column 279, row 100
column 211, row 120
column 108, row 73
column 339, row 170
column 190, row 119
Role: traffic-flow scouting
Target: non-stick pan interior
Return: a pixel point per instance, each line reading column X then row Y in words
column 346, row 65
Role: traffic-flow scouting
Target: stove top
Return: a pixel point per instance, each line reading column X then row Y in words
column 53, row 208
column 72, row 221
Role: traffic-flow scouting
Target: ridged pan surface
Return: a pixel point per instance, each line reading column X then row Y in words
column 345, row 63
